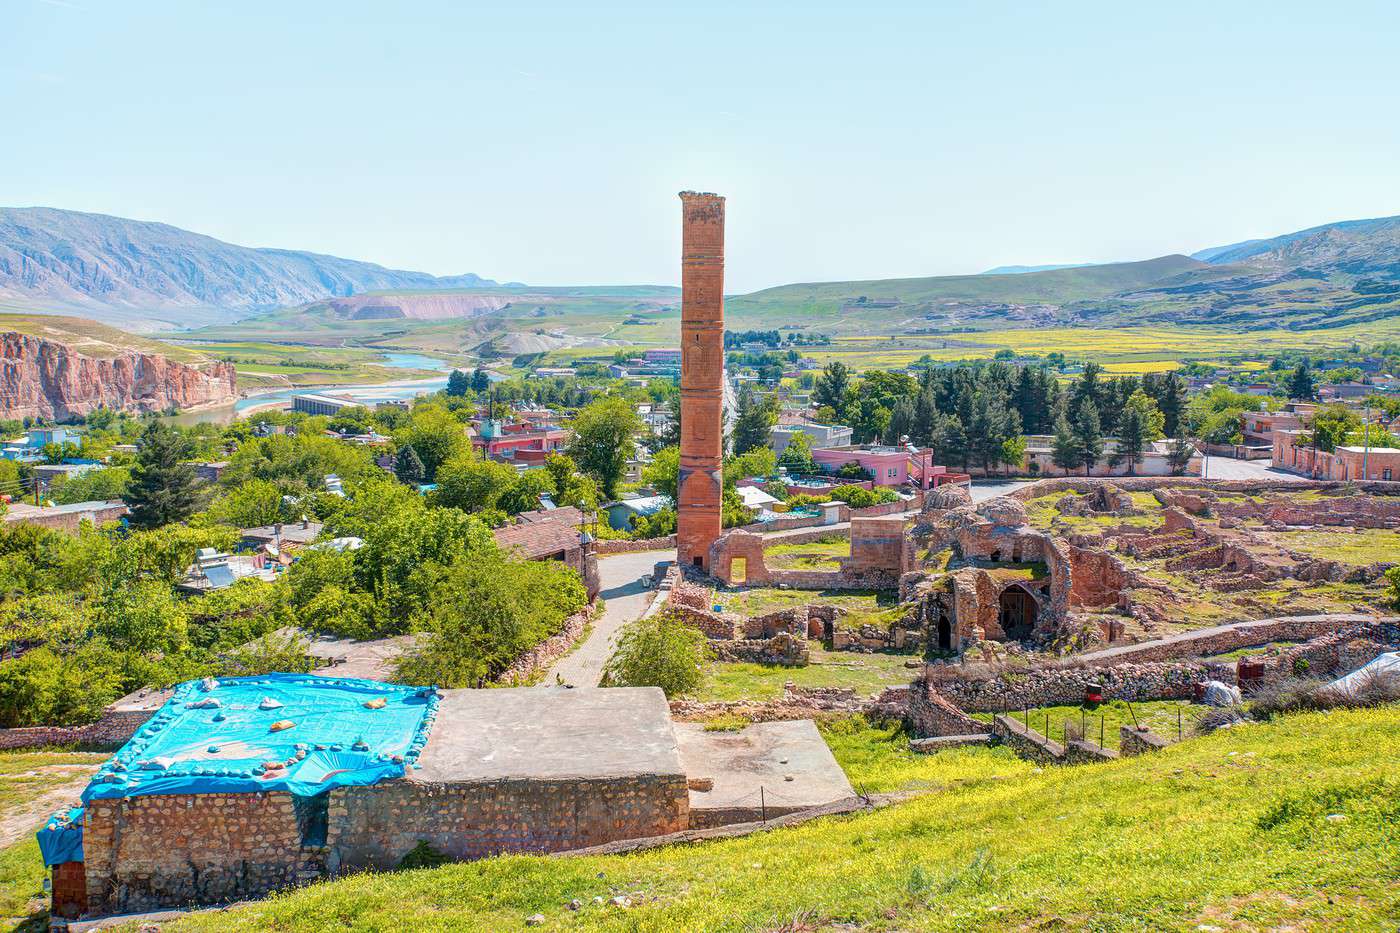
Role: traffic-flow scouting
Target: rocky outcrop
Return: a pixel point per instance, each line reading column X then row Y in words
column 44, row 379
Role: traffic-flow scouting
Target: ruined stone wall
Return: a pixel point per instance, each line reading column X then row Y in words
column 147, row 852
column 930, row 713
column 632, row 546
column 375, row 827
column 783, row 649
column 1298, row 628
column 878, row 545
column 1012, row 690
column 111, row 731
column 548, row 651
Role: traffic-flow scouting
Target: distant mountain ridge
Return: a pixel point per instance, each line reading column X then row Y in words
column 1022, row 270
column 132, row 271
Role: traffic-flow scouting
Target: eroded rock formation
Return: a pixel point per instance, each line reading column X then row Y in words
column 44, row 379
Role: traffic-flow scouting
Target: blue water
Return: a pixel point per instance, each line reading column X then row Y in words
column 372, row 394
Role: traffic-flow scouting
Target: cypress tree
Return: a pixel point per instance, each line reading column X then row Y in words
column 1089, row 435
column 1065, row 453
column 163, row 488
column 408, row 466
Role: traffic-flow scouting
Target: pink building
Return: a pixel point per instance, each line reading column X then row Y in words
column 888, row 466
column 1344, row 463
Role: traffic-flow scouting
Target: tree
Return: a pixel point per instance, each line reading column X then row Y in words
column 251, row 504
column 1301, row 385
column 604, row 440
column 1131, row 439
column 163, row 488
column 1066, row 453
column 1089, row 436
column 570, row 486
column 659, row 651
column 408, row 467
column 1013, row 451
column 458, row 384
column 1150, row 418
column 756, row 417
column 473, row 485
column 436, row 436
column 831, row 386
column 1179, row 455
column 797, row 455
column 480, row 381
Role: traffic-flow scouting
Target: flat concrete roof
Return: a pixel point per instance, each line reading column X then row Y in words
column 549, row 733
column 763, row 755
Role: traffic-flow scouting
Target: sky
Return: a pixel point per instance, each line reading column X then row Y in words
column 545, row 143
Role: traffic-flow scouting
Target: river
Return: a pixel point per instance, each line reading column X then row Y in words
column 371, row 394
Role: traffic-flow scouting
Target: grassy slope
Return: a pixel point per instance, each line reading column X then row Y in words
column 93, row 339
column 1230, row 831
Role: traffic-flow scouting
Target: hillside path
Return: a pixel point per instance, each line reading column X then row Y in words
column 627, row 597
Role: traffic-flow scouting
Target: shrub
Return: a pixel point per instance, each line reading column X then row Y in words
column 858, row 497
column 659, row 651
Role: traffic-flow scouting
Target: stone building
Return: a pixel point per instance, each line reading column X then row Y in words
column 242, row 786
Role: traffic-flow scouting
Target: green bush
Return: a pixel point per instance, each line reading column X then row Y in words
column 658, row 651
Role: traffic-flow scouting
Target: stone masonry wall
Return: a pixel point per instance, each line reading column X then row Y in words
column 147, row 852
column 626, row 546
column 111, row 731
column 377, row 826
column 548, row 651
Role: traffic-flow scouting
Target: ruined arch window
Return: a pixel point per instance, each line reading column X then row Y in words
column 1018, row 611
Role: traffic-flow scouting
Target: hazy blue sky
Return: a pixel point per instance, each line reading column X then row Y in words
column 546, row 142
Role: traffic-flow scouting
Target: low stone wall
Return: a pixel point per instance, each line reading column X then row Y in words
column 631, row 546
column 843, row 514
column 1299, row 628
column 548, row 651
column 782, row 649
column 111, row 731
column 1012, row 690
column 1080, row 484
column 720, row 626
column 375, row 827
column 891, row 704
column 148, row 852
column 832, row 580
column 931, row 714
column 1026, row 742
column 1133, row 741
column 812, row 534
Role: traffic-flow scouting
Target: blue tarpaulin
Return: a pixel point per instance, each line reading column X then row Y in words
column 278, row 732
column 61, row 839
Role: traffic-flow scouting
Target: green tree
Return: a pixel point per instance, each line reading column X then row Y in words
column 408, row 467
column 435, row 435
column 1179, row 455
column 756, row 416
column 1131, row 439
column 659, row 651
column 797, row 455
column 480, row 381
column 251, row 504
column 1089, row 436
column 458, row 384
column 1065, row 453
column 163, row 488
column 831, row 385
column 1152, row 422
column 570, row 486
column 1013, row 451
column 663, row 473
column 473, row 485
column 604, row 440
column 1301, row 385
column 106, row 484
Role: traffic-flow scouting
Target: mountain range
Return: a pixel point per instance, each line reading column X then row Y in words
column 142, row 275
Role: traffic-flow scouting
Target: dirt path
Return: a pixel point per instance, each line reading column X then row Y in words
column 22, row 819
column 627, row 598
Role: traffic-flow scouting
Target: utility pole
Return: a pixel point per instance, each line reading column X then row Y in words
column 1366, row 452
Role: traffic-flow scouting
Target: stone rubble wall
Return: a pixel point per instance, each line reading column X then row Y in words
column 632, row 546
column 1065, row 686
column 148, row 852
column 111, row 731
column 782, row 649
column 376, row 826
column 1133, row 741
column 1213, row 643
column 543, row 655
column 890, row 705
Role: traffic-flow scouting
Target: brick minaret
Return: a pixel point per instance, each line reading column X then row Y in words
column 698, row 520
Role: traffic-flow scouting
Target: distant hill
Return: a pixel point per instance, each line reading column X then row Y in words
column 1022, row 270
column 1356, row 247
column 142, row 274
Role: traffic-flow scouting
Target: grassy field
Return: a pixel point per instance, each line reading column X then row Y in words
column 1358, row 546
column 1293, row 824
column 813, row 555
column 24, row 777
column 867, row 674
column 762, row 599
column 93, row 339
column 1167, row 718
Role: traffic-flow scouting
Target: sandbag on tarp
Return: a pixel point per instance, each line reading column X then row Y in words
column 61, row 839
column 287, row 732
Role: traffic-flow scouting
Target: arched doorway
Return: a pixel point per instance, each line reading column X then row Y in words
column 1019, row 610
column 945, row 634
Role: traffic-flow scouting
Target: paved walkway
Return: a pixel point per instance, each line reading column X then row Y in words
column 1230, row 468
column 627, row 597
column 1125, row 652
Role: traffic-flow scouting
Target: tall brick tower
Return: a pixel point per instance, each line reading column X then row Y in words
column 701, row 483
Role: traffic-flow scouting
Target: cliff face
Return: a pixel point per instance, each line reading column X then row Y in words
column 44, row 379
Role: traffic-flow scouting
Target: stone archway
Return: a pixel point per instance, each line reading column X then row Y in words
column 945, row 633
column 1017, row 611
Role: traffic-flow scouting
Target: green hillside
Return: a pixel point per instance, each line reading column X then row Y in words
column 1291, row 825
column 93, row 339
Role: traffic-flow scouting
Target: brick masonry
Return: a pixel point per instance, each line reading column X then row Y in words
column 700, row 484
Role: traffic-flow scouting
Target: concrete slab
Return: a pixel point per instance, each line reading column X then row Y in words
column 764, row 755
column 550, row 733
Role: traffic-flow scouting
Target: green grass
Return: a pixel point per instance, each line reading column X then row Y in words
column 813, row 555
column 1228, row 831
column 1356, row 546
column 22, row 875
column 763, row 599
column 1158, row 715
column 867, row 674
column 877, row 760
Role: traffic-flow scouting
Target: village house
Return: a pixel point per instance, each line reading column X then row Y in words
column 819, row 435
column 1292, row 453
